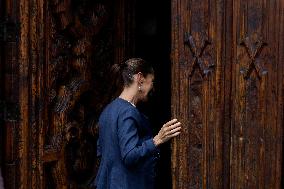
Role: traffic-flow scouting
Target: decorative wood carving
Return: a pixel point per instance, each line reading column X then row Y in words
column 232, row 133
column 227, row 90
column 197, row 66
column 255, row 107
column 75, row 29
column 197, row 55
column 60, row 55
column 253, row 49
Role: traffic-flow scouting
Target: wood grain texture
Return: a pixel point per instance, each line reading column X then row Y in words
column 56, row 65
column 255, row 89
column 196, row 75
column 227, row 90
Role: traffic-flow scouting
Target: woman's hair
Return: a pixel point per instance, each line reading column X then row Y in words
column 122, row 74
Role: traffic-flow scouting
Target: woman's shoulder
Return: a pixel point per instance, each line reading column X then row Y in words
column 127, row 108
column 120, row 106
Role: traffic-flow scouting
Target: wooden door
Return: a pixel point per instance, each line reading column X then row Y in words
column 55, row 59
column 227, row 90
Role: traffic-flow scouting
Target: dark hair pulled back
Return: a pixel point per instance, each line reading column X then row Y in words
column 130, row 67
column 122, row 74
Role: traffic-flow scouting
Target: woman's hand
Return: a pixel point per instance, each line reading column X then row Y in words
column 169, row 130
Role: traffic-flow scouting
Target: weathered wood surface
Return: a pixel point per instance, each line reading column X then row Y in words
column 227, row 89
column 54, row 65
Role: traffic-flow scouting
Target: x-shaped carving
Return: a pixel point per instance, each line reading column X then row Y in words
column 197, row 54
column 253, row 53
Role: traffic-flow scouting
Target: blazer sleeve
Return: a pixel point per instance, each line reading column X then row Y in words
column 131, row 151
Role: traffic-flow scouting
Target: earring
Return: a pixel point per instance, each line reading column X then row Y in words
column 139, row 89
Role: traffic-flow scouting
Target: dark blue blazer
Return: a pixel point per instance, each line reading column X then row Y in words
column 128, row 154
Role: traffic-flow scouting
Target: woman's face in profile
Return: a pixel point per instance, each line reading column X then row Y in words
column 147, row 86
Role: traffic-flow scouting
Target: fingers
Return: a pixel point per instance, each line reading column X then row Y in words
column 169, row 130
column 170, row 122
column 170, row 127
column 174, row 130
column 174, row 135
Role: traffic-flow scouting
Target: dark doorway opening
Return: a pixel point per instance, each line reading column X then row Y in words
column 153, row 43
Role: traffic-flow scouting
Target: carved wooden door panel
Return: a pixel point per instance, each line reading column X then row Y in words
column 73, row 39
column 56, row 55
column 227, row 90
column 257, row 94
column 84, row 38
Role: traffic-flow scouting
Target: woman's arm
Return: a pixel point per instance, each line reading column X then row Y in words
column 131, row 151
column 128, row 138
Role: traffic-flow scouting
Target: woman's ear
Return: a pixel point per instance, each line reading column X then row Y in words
column 140, row 78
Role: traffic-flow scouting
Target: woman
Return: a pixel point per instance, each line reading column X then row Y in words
column 128, row 150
